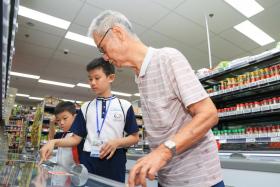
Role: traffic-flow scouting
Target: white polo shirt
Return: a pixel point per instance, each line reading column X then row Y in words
column 120, row 118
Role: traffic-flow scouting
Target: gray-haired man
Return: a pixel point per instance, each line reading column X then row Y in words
column 177, row 112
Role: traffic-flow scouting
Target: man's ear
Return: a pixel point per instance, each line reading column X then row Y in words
column 119, row 32
column 111, row 78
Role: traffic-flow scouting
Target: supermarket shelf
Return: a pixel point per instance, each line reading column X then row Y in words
column 251, row 140
column 256, row 89
column 19, row 126
column 241, row 67
column 7, row 130
column 255, row 116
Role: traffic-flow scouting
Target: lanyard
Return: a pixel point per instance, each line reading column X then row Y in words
column 97, row 118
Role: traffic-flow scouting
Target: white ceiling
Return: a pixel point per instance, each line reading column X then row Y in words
column 159, row 23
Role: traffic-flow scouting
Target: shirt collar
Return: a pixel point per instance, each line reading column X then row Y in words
column 106, row 98
column 145, row 64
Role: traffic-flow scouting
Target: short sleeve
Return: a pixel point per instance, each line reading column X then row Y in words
column 184, row 81
column 79, row 125
column 130, row 126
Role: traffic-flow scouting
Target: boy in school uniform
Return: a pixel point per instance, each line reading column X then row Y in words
column 102, row 122
column 65, row 113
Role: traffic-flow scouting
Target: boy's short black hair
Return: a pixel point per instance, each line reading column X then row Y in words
column 65, row 106
column 107, row 68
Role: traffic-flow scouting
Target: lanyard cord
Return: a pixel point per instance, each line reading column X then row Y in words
column 98, row 130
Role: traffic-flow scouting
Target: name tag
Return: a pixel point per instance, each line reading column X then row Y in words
column 95, row 148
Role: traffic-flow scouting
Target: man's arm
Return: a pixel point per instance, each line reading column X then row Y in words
column 204, row 117
column 47, row 149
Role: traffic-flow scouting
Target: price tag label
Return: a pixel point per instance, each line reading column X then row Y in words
column 274, row 106
column 250, row 140
column 264, row 108
column 272, row 134
column 253, row 84
column 256, row 109
column 223, row 141
column 275, row 139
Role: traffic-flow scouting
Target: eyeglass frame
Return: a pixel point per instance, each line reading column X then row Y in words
column 100, row 49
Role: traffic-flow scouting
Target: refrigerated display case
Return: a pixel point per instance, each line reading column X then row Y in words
column 23, row 170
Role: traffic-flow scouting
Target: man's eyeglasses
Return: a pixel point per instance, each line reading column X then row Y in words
column 101, row 50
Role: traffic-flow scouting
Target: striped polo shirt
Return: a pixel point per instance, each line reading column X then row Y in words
column 168, row 85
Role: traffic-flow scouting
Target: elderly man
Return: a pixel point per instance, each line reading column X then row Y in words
column 177, row 112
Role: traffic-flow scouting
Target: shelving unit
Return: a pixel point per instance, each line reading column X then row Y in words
column 246, row 96
column 9, row 27
column 16, row 132
column 142, row 146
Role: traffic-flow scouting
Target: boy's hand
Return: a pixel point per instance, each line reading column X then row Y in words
column 108, row 148
column 46, row 150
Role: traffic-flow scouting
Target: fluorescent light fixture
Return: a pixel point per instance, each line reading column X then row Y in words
column 137, row 94
column 22, row 95
column 68, row 100
column 83, row 85
column 80, row 38
column 36, row 98
column 44, row 18
column 24, row 75
column 248, row 8
column 121, row 94
column 254, row 33
column 56, row 83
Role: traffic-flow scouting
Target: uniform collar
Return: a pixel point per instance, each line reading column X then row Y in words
column 106, row 98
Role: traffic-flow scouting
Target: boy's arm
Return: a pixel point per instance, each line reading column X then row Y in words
column 131, row 128
column 110, row 147
column 47, row 149
column 79, row 130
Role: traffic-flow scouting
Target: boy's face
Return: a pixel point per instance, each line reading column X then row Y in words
column 99, row 82
column 65, row 120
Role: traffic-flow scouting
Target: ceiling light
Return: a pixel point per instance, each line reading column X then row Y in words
column 44, row 18
column 137, row 94
column 254, row 33
column 83, row 85
column 56, row 83
column 24, row 75
column 22, row 95
column 80, row 38
column 121, row 94
column 36, row 98
column 68, row 100
column 248, row 8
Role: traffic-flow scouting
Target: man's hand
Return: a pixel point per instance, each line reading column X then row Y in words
column 148, row 166
column 46, row 150
column 108, row 148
